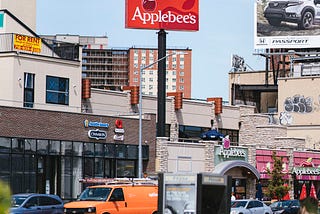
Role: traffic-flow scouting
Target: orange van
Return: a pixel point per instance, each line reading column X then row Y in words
column 116, row 198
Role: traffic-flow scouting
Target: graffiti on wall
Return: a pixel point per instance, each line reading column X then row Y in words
column 296, row 104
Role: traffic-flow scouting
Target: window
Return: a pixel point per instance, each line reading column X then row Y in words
column 117, row 195
column 57, row 90
column 28, row 98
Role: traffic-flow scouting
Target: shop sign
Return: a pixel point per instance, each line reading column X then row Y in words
column 119, row 131
column 1, row 20
column 97, row 134
column 233, row 153
column 162, row 14
column 306, row 170
column 27, row 43
column 88, row 123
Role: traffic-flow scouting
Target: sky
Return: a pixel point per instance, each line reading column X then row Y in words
column 226, row 28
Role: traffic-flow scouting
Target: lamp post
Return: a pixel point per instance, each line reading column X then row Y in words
column 140, row 110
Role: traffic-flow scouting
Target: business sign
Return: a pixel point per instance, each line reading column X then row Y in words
column 163, row 14
column 97, row 134
column 27, row 43
column 222, row 153
column 295, row 31
column 88, row 123
column 1, row 20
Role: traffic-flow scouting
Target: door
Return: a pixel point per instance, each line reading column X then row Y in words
column 48, row 178
column 117, row 202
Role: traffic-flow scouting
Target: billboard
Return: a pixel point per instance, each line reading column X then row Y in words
column 162, row 14
column 287, row 24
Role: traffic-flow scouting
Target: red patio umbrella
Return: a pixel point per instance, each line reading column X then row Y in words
column 313, row 193
column 287, row 196
column 303, row 193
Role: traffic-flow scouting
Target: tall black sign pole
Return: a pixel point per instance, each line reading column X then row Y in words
column 161, row 84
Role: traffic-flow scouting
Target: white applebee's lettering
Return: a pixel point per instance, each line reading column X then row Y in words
column 167, row 17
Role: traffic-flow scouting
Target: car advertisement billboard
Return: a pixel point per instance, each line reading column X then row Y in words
column 182, row 15
column 287, row 24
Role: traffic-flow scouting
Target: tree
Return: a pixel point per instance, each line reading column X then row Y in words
column 276, row 187
column 5, row 197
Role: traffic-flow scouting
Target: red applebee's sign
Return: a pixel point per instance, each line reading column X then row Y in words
column 163, row 14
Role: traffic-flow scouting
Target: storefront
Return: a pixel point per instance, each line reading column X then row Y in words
column 264, row 163
column 49, row 152
column 233, row 161
column 306, row 171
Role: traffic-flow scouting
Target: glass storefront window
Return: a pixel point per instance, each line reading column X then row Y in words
column 145, row 152
column 125, row 168
column 88, row 168
column 42, row 147
column 66, row 177
column 5, row 144
column 77, row 174
column 54, row 147
column 132, row 152
column 66, row 148
column 121, row 151
column 77, row 148
column 30, row 146
column 17, row 145
column 88, row 149
column 109, row 150
column 5, row 163
column 99, row 150
column 98, row 168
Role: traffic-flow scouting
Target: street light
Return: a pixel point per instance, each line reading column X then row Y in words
column 140, row 108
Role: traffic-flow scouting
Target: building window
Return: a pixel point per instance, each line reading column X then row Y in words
column 150, row 87
column 135, row 79
column 28, row 98
column 181, row 73
column 57, row 90
column 150, row 79
column 181, row 80
column 181, row 87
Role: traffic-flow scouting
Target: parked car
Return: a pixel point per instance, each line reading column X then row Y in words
column 303, row 12
column 212, row 135
column 249, row 206
column 36, row 203
column 285, row 207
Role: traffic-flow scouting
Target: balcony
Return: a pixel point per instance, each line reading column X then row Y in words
column 43, row 47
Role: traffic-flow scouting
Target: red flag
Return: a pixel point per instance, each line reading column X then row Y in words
column 303, row 193
column 313, row 193
column 287, row 196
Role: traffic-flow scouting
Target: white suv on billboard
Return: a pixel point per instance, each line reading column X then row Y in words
column 303, row 12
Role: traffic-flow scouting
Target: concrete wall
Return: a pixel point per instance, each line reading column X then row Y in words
column 12, row 83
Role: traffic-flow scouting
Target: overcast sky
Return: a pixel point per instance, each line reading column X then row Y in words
column 226, row 28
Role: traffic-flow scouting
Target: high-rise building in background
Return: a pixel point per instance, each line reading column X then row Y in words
column 113, row 68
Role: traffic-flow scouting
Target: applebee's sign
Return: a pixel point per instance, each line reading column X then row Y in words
column 163, row 14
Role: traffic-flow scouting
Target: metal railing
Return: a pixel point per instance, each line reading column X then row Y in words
column 49, row 48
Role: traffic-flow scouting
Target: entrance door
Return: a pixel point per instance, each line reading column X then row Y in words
column 47, row 174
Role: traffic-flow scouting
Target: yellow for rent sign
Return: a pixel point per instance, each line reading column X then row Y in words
column 27, row 43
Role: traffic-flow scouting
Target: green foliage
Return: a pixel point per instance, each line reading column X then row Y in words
column 276, row 187
column 5, row 198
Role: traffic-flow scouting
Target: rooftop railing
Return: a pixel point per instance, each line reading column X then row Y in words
column 49, row 48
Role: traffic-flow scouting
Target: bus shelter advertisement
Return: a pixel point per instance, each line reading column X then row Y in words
column 287, row 24
column 163, row 14
column 179, row 193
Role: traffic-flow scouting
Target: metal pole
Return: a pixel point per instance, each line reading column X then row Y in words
column 140, row 125
column 161, row 85
column 140, row 112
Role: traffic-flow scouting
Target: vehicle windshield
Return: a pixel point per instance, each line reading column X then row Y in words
column 95, row 194
column 280, row 204
column 16, row 201
column 235, row 204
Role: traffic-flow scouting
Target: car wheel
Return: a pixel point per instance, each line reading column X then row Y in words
column 306, row 20
column 274, row 22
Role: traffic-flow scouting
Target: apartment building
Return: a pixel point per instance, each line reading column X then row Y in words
column 112, row 68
